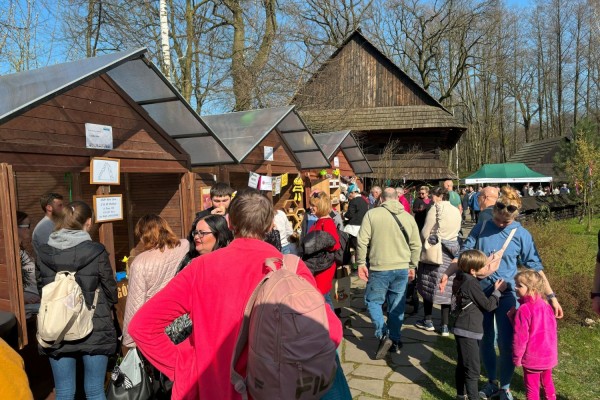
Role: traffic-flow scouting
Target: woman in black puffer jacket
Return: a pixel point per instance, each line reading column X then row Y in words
column 70, row 248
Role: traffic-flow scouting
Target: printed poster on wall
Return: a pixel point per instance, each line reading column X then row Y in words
column 108, row 207
column 284, row 180
column 266, row 183
column 253, row 180
column 336, row 162
column 98, row 137
column 268, row 153
column 277, row 185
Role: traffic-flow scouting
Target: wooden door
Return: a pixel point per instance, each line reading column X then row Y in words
column 11, row 281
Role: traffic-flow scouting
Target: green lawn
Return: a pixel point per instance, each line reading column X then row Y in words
column 568, row 253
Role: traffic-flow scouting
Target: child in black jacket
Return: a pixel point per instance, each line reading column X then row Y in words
column 468, row 328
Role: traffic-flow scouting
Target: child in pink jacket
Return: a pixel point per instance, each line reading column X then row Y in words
column 535, row 344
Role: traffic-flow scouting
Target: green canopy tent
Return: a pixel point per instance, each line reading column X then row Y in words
column 506, row 173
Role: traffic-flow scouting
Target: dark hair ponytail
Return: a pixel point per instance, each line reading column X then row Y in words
column 74, row 216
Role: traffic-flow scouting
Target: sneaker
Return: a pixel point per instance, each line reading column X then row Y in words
column 384, row 345
column 490, row 390
column 395, row 348
column 444, row 331
column 425, row 325
column 505, row 394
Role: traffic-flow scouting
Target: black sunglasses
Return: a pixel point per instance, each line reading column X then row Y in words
column 509, row 208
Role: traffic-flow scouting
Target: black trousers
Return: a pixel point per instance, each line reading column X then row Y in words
column 428, row 310
column 467, row 367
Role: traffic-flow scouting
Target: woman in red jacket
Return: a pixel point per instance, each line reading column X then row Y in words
column 320, row 205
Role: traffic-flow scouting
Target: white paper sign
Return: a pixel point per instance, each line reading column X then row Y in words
column 104, row 171
column 253, row 180
column 277, row 185
column 98, row 137
column 266, row 183
column 336, row 162
column 108, row 208
column 268, row 153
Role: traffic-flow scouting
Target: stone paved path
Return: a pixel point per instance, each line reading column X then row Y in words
column 395, row 377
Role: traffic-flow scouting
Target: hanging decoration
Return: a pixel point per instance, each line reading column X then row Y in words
column 298, row 189
column 336, row 173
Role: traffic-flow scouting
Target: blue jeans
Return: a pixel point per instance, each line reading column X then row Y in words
column 94, row 367
column 503, row 332
column 289, row 249
column 390, row 286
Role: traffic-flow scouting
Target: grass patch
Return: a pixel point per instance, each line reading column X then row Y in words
column 568, row 253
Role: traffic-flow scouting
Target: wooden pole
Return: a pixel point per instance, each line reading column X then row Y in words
column 106, row 232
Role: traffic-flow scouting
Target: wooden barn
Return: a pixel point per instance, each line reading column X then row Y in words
column 269, row 142
column 49, row 121
column 360, row 89
column 539, row 156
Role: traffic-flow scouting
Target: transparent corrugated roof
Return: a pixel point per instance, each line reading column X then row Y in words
column 138, row 77
column 23, row 90
column 331, row 142
column 242, row 131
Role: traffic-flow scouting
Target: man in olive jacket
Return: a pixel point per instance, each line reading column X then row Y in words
column 390, row 238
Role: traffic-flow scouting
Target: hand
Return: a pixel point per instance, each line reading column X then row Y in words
column 596, row 305
column 218, row 211
column 500, row 285
column 443, row 282
column 411, row 274
column 511, row 313
column 558, row 311
column 363, row 273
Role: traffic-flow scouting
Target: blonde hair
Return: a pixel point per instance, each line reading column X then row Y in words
column 471, row 260
column 322, row 203
column 532, row 280
column 509, row 197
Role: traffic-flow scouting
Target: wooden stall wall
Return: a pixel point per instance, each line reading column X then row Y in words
column 11, row 282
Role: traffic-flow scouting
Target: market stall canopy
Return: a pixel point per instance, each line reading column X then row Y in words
column 135, row 75
column 506, row 173
column 330, row 142
column 242, row 131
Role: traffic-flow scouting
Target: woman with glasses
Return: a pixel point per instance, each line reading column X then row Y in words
column 153, row 268
column 208, row 234
column 421, row 206
column 489, row 237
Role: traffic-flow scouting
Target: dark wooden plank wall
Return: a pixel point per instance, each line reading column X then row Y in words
column 365, row 78
column 58, row 127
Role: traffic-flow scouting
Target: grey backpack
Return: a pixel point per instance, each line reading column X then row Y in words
column 290, row 353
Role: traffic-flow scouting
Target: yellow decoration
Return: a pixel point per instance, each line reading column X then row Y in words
column 126, row 261
column 284, row 180
column 297, row 189
column 336, row 172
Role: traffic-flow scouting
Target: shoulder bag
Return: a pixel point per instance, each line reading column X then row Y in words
column 432, row 248
column 493, row 261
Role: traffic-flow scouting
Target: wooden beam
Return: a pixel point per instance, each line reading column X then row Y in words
column 106, row 233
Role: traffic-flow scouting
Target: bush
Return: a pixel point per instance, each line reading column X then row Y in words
column 543, row 215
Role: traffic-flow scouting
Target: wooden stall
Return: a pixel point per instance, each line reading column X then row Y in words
column 55, row 120
column 347, row 160
column 269, row 142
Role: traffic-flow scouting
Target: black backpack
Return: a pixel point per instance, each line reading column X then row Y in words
column 342, row 255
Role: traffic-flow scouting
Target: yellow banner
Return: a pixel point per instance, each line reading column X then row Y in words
column 284, row 180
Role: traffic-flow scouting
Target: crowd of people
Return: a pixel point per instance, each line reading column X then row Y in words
column 187, row 296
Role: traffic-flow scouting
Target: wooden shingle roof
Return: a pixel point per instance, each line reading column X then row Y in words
column 411, row 169
column 539, row 156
